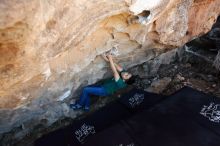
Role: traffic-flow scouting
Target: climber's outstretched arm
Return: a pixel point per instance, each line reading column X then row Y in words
column 105, row 58
column 114, row 70
column 118, row 67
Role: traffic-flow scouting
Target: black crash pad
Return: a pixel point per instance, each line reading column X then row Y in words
column 195, row 105
column 136, row 100
column 78, row 132
column 183, row 119
column 114, row 136
column 186, row 118
column 74, row 134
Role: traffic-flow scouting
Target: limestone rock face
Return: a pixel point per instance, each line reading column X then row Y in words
column 50, row 48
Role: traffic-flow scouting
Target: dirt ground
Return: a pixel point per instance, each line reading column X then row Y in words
column 192, row 71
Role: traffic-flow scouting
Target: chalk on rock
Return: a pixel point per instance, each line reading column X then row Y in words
column 114, row 51
column 64, row 96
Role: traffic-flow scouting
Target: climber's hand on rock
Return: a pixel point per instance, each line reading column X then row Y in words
column 109, row 56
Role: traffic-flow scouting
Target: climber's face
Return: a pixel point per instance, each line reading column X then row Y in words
column 126, row 75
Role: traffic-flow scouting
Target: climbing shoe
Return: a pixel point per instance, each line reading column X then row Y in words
column 86, row 109
column 75, row 106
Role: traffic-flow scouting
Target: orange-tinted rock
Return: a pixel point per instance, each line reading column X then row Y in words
column 49, row 48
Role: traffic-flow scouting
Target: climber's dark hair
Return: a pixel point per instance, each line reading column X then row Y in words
column 131, row 80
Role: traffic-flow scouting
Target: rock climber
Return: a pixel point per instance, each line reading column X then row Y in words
column 121, row 79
